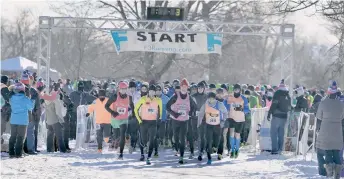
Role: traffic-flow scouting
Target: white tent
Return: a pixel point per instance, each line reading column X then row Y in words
column 19, row 64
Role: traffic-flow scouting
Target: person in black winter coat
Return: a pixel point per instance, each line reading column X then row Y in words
column 302, row 103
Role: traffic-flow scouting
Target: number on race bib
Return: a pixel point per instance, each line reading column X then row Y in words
column 182, row 112
column 151, row 111
column 121, row 110
column 212, row 120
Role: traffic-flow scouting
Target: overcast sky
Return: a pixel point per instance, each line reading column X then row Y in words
column 313, row 27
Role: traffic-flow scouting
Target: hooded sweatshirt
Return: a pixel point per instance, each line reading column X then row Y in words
column 221, row 108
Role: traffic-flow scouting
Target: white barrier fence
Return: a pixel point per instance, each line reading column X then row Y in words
column 86, row 128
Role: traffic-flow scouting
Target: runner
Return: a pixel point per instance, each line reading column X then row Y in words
column 224, row 128
column 161, row 137
column 238, row 107
column 133, row 124
column 119, row 105
column 102, row 117
column 211, row 112
column 148, row 111
column 180, row 106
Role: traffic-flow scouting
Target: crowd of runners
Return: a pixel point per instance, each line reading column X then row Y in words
column 208, row 118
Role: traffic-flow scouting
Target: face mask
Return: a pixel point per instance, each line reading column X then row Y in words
column 269, row 98
column 123, row 91
column 158, row 93
column 200, row 90
column 151, row 93
column 236, row 95
column 102, row 98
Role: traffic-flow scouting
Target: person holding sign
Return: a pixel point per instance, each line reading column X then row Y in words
column 119, row 105
column 211, row 113
column 148, row 111
column 181, row 106
column 238, row 107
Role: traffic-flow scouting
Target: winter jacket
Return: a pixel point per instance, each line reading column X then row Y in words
column 81, row 98
column 68, row 89
column 35, row 96
column 281, row 104
column 331, row 114
column 20, row 105
column 164, row 100
column 170, row 92
column 301, row 104
column 55, row 111
column 200, row 99
column 101, row 114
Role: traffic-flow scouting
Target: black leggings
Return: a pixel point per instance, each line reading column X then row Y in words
column 213, row 136
column 179, row 132
column 133, row 131
column 202, row 137
column 147, row 133
column 192, row 133
column 122, row 132
column 160, row 134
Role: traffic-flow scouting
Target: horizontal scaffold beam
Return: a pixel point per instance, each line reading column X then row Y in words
column 104, row 24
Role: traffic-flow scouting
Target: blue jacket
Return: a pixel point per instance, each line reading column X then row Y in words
column 20, row 106
column 164, row 100
column 246, row 106
column 170, row 92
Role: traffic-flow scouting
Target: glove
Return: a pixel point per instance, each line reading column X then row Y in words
column 239, row 108
column 114, row 114
column 174, row 114
column 140, row 122
column 269, row 117
column 87, row 114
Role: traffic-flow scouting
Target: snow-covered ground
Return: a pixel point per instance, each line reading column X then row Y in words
column 87, row 164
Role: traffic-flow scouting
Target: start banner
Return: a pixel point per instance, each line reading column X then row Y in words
column 167, row 42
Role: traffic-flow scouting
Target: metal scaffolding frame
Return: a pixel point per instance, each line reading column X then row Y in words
column 284, row 32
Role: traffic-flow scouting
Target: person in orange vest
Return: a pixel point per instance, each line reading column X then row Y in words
column 119, row 105
column 238, row 107
column 212, row 112
column 148, row 110
column 103, row 117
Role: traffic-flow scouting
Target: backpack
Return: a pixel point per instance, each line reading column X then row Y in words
column 284, row 103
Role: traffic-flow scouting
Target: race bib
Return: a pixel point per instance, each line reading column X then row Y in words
column 182, row 112
column 197, row 112
column 151, row 111
column 121, row 110
column 97, row 126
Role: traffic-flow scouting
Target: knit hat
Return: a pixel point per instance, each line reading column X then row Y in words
column 219, row 90
column 101, row 92
column 201, row 85
column 247, row 92
column 132, row 84
column 4, row 79
column 212, row 86
column 184, row 82
column 282, row 86
column 333, row 88
column 152, row 87
column 236, row 86
column 224, row 86
column 211, row 95
column 122, row 85
column 158, row 87
column 18, row 87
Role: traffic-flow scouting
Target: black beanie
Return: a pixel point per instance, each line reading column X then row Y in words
column 247, row 92
column 211, row 95
column 101, row 92
column 158, row 88
column 224, row 86
column 212, row 86
column 4, row 79
column 201, row 85
column 132, row 84
column 152, row 87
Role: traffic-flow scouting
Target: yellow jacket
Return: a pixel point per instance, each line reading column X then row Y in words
column 144, row 100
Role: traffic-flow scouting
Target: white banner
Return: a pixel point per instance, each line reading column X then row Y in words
column 167, row 42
